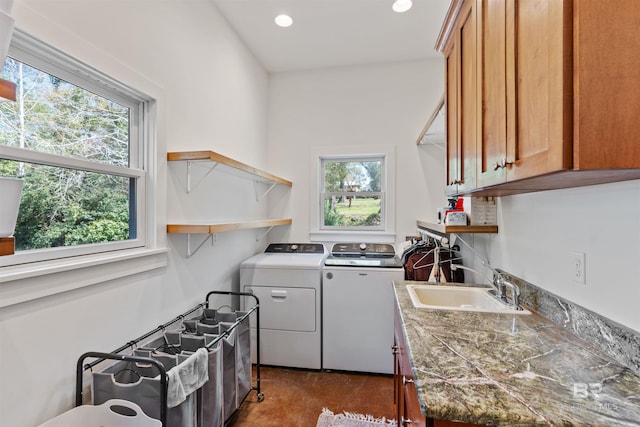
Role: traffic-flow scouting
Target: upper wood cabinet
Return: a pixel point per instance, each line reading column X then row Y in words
column 461, row 61
column 553, row 96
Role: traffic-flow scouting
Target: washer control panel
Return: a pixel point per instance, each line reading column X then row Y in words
column 363, row 249
column 291, row 248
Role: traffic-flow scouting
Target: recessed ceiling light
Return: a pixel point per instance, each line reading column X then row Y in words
column 401, row 5
column 283, row 21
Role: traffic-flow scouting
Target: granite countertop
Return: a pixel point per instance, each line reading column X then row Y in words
column 502, row 369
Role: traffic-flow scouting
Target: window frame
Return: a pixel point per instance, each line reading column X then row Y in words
column 323, row 194
column 46, row 58
column 383, row 234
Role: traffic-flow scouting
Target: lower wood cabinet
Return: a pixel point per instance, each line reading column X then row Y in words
column 405, row 395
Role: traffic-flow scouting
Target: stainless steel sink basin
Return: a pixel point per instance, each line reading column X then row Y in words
column 458, row 298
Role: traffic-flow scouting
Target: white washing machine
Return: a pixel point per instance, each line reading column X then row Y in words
column 287, row 279
column 357, row 306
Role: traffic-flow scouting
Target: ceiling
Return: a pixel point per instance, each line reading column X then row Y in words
column 333, row 33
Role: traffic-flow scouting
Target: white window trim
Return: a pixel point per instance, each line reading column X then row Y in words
column 22, row 283
column 387, row 232
column 22, row 276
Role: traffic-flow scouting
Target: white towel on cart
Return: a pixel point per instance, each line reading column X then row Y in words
column 187, row 377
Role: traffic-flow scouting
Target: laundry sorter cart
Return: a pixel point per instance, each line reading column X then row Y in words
column 146, row 387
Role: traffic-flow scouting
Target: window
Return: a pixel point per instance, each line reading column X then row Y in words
column 352, row 195
column 355, row 198
column 76, row 137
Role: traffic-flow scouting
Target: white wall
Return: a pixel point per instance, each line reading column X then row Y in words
column 539, row 231
column 376, row 105
column 211, row 94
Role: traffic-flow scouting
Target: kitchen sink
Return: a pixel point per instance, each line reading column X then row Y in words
column 458, row 298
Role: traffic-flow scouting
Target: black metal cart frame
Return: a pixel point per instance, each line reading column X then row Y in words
column 115, row 355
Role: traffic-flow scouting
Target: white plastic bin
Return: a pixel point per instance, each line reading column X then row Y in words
column 104, row 416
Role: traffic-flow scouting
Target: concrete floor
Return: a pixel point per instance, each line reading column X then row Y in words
column 295, row 397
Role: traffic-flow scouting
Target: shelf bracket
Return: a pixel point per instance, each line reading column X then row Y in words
column 191, row 163
column 263, row 195
column 264, row 234
column 192, row 252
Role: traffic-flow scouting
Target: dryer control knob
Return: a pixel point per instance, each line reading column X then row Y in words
column 329, row 275
column 294, row 247
column 363, row 246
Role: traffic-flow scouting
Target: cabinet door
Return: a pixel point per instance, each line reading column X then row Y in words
column 539, row 75
column 408, row 411
column 607, row 84
column 467, row 99
column 397, row 403
column 492, row 95
column 412, row 415
column 461, row 86
column 453, row 156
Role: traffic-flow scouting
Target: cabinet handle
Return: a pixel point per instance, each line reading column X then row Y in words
column 404, row 421
column 501, row 165
column 406, row 380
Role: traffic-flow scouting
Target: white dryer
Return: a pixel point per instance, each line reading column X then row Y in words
column 287, row 279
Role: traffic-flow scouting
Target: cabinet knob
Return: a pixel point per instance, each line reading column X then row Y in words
column 405, row 421
column 395, row 349
column 406, row 380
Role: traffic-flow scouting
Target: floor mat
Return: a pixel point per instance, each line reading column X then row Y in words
column 348, row 419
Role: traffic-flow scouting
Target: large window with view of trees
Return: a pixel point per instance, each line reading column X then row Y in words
column 352, row 194
column 75, row 138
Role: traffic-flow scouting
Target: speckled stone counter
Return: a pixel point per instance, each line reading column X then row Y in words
column 501, row 369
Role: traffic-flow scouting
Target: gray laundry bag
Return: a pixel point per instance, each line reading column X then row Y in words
column 211, row 395
column 229, row 373
column 189, row 338
column 212, row 407
column 139, row 383
column 236, row 351
column 242, row 352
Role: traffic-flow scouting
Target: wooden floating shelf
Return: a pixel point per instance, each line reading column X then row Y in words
column 212, row 156
column 457, row 229
column 222, row 227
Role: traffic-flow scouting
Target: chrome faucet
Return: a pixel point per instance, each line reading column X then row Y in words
column 501, row 284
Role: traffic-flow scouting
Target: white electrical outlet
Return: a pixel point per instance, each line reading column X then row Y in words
column 578, row 267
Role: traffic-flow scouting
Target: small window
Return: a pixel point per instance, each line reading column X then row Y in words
column 75, row 138
column 352, row 193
